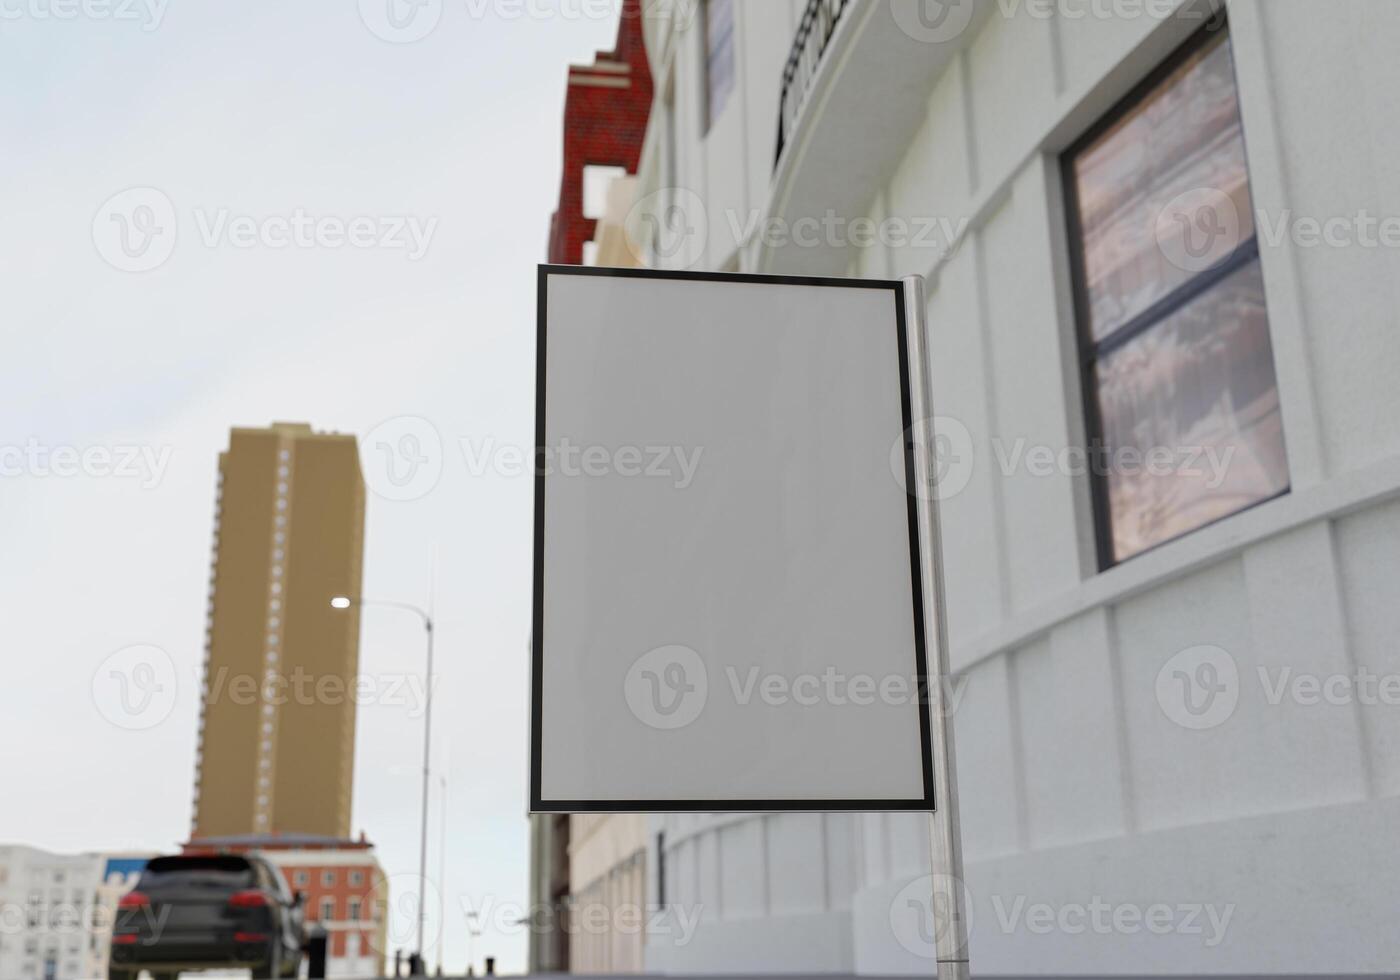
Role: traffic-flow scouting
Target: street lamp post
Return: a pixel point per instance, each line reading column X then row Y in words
column 473, row 931
column 442, row 868
column 345, row 602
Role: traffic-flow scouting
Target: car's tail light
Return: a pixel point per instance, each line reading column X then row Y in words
column 250, row 937
column 250, row 899
column 134, row 900
column 124, row 939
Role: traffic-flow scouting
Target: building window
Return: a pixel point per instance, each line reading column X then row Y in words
column 1178, row 368
column 719, row 57
column 327, row 879
column 353, row 910
column 327, row 910
column 357, row 877
column 302, row 879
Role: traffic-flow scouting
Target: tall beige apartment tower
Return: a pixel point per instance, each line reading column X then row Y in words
column 277, row 726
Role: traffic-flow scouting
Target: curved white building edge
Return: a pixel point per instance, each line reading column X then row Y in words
column 1108, row 829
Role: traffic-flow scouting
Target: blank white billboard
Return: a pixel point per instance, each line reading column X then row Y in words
column 728, row 607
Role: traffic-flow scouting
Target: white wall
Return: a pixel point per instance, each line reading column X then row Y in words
column 729, row 167
column 1076, row 786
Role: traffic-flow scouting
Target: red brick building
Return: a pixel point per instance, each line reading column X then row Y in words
column 345, row 888
column 605, row 121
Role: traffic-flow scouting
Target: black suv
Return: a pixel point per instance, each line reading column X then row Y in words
column 193, row 912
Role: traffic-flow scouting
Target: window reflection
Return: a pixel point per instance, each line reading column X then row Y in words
column 1173, row 313
column 1191, row 423
column 1186, row 136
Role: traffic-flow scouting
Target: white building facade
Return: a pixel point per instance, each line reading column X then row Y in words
column 47, row 913
column 1162, row 247
column 118, row 875
column 608, row 913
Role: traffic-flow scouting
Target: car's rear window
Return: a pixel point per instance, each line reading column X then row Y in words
column 197, row 872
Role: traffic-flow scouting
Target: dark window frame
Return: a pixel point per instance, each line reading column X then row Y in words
column 1090, row 351
column 661, row 868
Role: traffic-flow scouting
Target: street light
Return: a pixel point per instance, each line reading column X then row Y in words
column 345, row 602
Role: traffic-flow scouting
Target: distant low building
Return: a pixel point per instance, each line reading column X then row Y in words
column 346, row 891
column 549, row 893
column 45, row 910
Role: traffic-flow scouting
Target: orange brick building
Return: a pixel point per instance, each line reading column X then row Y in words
column 346, row 891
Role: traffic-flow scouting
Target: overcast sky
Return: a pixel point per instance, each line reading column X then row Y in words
column 272, row 116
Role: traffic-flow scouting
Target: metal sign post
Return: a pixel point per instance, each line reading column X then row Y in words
column 945, row 833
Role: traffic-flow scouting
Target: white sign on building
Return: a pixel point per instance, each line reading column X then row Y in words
column 730, row 573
